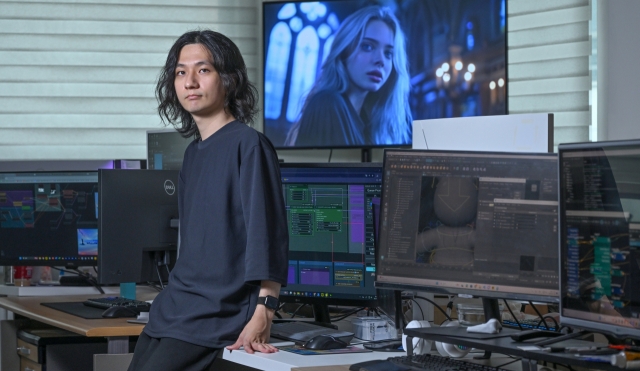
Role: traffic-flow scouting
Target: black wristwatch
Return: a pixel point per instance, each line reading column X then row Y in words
column 271, row 302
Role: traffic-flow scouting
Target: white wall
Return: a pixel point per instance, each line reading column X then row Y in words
column 618, row 79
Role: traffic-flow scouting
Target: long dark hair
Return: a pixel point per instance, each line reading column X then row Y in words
column 241, row 95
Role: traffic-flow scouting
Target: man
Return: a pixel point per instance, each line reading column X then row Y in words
column 233, row 228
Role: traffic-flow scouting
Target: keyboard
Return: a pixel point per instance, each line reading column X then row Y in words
column 115, row 301
column 301, row 331
column 530, row 324
column 437, row 363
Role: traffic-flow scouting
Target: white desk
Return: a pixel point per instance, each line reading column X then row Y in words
column 284, row 361
column 56, row 290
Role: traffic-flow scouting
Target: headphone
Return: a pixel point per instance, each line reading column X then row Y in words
column 452, row 350
column 420, row 346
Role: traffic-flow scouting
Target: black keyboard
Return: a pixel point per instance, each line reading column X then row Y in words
column 437, row 363
column 530, row 324
column 301, row 331
column 115, row 301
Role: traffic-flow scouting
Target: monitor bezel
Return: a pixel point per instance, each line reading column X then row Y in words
column 455, row 290
column 68, row 263
column 585, row 324
column 320, row 300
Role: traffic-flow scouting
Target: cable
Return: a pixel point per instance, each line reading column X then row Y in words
column 435, row 305
column 544, row 319
column 89, row 278
column 153, row 285
column 539, row 314
column 159, row 277
column 343, row 316
column 512, row 314
column 297, row 309
column 419, row 307
column 330, row 154
column 510, row 362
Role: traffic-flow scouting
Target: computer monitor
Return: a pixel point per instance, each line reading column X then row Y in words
column 331, row 234
column 475, row 223
column 137, row 225
column 600, row 237
column 49, row 218
column 165, row 149
column 449, row 60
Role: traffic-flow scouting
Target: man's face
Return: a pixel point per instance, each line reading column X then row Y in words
column 197, row 83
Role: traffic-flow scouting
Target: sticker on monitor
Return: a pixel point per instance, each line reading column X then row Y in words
column 88, row 242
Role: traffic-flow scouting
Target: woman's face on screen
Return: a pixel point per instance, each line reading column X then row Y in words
column 371, row 63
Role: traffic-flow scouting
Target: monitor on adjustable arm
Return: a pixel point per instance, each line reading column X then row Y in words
column 474, row 223
column 49, row 218
column 137, row 225
column 331, row 234
column 165, row 149
column 600, row 237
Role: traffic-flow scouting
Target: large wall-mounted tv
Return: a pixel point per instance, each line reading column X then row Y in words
column 356, row 73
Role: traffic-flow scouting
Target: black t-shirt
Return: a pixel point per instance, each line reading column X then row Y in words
column 233, row 231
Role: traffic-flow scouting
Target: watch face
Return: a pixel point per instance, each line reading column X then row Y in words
column 269, row 302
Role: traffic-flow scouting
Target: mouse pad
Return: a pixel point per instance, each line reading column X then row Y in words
column 310, row 352
column 76, row 308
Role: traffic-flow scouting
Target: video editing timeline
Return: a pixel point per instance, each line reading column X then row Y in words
column 165, row 149
column 466, row 221
column 49, row 216
column 600, row 235
column 331, row 234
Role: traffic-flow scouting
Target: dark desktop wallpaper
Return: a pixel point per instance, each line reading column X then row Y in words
column 455, row 52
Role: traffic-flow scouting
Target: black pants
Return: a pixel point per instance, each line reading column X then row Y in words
column 166, row 354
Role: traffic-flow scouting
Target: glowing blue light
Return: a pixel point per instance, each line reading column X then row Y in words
column 324, row 31
column 313, row 10
column 471, row 42
column 333, row 21
column 287, row 11
column 469, row 25
column 295, row 24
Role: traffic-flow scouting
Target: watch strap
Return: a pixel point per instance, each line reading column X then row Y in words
column 269, row 301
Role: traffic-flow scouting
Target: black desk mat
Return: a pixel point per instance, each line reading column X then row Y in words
column 76, row 308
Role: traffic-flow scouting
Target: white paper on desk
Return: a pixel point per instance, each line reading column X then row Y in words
column 528, row 348
column 143, row 318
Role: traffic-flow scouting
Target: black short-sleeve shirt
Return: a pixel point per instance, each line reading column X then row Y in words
column 233, row 231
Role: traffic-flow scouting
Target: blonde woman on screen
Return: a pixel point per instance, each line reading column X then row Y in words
column 361, row 96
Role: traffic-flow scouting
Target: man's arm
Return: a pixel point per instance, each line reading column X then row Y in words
column 255, row 335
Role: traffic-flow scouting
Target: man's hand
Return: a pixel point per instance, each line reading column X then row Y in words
column 255, row 335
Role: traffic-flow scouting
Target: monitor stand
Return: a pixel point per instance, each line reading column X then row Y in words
column 365, row 155
column 491, row 309
column 321, row 313
column 321, row 317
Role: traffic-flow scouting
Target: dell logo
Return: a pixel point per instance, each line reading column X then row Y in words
column 169, row 187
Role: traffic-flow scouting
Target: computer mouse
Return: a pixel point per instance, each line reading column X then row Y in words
column 119, row 312
column 324, row 342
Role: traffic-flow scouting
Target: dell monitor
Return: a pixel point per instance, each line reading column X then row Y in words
column 165, row 149
column 49, row 218
column 331, row 234
column 447, row 59
column 137, row 225
column 600, row 237
column 474, row 223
